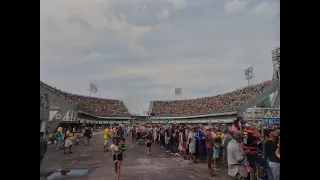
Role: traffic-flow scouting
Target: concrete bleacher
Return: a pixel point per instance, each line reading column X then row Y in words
column 239, row 99
column 266, row 94
column 65, row 107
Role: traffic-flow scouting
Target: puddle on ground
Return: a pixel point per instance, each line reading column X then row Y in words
column 72, row 173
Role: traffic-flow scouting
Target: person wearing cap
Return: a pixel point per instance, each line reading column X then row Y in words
column 237, row 162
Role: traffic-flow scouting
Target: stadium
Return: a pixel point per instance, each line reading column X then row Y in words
column 57, row 106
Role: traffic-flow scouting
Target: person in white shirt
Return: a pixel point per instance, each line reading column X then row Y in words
column 117, row 160
column 155, row 135
column 192, row 143
column 237, row 161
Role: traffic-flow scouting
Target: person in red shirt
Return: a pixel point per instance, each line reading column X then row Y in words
column 209, row 148
column 250, row 144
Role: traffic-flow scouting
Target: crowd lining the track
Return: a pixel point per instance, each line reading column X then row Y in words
column 210, row 144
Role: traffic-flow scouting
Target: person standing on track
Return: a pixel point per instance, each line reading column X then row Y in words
column 237, row 162
column 209, row 148
column 133, row 135
column 149, row 142
column 59, row 138
column 87, row 136
column 273, row 161
column 117, row 160
column 73, row 131
column 68, row 142
column 192, row 144
column 114, row 131
column 182, row 145
column 216, row 147
column 106, row 137
column 120, row 132
column 43, row 146
column 250, row 144
column 155, row 135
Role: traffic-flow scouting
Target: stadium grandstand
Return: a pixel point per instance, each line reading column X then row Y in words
column 222, row 108
column 57, row 106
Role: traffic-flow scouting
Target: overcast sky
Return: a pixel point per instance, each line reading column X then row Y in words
column 141, row 50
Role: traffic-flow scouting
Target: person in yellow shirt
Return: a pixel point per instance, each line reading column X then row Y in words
column 222, row 135
column 106, row 137
column 216, row 147
column 68, row 142
column 73, row 130
column 114, row 131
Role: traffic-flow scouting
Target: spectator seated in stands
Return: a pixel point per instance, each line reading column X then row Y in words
column 44, row 101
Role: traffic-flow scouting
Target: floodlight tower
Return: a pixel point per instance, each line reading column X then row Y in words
column 249, row 75
column 276, row 63
column 93, row 88
column 178, row 92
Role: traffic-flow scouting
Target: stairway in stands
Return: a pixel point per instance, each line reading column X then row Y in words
column 266, row 94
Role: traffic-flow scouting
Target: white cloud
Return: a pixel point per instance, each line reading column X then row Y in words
column 93, row 56
column 141, row 50
column 235, row 6
column 80, row 23
column 179, row 4
column 268, row 10
column 164, row 14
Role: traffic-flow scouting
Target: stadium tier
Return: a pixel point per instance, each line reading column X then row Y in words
column 91, row 105
column 227, row 102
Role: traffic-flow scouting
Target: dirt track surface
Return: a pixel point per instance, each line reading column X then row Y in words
column 135, row 166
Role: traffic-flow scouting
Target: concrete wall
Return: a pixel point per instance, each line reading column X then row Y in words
column 59, row 110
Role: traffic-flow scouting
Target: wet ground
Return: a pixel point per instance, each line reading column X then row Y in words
column 91, row 163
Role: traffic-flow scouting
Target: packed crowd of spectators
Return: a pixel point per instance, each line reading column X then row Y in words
column 208, row 105
column 238, row 147
column 91, row 105
column 44, row 101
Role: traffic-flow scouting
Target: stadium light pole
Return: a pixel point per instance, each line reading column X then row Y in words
column 249, row 75
column 93, row 88
column 276, row 63
column 146, row 113
column 178, row 92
